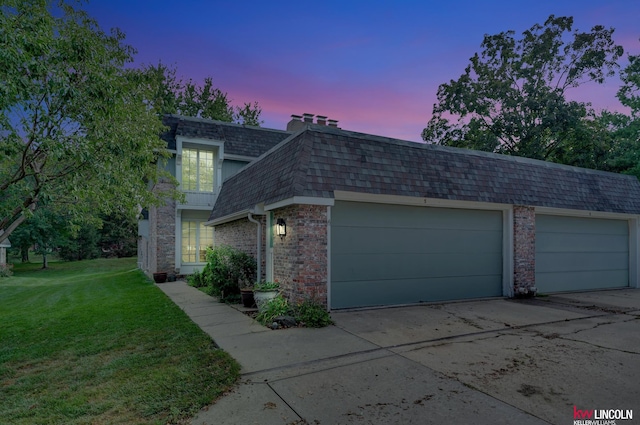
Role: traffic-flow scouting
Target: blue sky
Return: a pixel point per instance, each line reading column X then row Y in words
column 373, row 65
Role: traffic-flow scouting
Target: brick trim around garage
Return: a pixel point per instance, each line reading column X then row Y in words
column 524, row 251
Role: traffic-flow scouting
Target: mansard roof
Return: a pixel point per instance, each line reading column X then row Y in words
column 242, row 140
column 319, row 160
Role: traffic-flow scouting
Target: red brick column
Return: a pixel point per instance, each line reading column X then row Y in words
column 300, row 258
column 524, row 251
column 162, row 234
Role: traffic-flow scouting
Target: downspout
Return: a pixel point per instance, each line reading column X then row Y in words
column 258, row 246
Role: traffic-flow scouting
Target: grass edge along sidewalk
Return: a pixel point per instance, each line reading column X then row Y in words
column 96, row 342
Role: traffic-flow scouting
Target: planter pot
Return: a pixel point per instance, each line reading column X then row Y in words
column 262, row 296
column 247, row 298
column 160, row 277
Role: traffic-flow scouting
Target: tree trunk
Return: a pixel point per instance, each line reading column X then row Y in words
column 24, row 253
column 45, row 262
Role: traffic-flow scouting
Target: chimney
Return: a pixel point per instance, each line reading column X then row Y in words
column 322, row 120
column 333, row 123
column 308, row 118
column 296, row 123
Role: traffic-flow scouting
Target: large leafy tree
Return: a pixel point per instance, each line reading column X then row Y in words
column 76, row 129
column 511, row 98
column 189, row 98
column 625, row 129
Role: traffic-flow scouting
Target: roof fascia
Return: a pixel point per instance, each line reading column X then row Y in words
column 227, row 218
column 300, row 200
column 239, row 157
column 198, row 141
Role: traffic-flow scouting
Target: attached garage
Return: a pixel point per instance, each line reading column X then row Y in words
column 393, row 254
column 578, row 254
column 371, row 221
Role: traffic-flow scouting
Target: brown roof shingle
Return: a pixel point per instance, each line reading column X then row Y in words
column 322, row 159
column 238, row 139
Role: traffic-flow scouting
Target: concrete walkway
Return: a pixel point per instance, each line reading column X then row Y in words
column 459, row 363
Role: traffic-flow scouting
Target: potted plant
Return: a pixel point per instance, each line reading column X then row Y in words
column 246, row 294
column 264, row 291
column 160, row 277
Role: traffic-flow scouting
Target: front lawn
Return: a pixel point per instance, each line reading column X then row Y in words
column 96, row 342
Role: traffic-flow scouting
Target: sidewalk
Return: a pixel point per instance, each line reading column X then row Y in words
column 328, row 376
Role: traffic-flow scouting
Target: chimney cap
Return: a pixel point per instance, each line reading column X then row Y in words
column 296, row 117
column 333, row 123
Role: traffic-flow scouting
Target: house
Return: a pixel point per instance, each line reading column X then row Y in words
column 172, row 238
column 375, row 221
column 4, row 245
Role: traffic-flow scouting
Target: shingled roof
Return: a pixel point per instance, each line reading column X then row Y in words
column 238, row 139
column 320, row 160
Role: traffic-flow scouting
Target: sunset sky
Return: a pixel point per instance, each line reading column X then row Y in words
column 375, row 66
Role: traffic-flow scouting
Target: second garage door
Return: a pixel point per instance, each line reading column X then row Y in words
column 392, row 254
column 578, row 254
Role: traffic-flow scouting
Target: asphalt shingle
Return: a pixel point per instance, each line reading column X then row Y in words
column 322, row 159
column 238, row 139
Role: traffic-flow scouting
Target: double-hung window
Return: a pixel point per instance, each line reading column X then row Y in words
column 197, row 170
column 196, row 237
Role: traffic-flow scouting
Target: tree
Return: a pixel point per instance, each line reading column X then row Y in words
column 511, row 97
column 172, row 95
column 119, row 235
column 76, row 128
column 625, row 129
column 44, row 230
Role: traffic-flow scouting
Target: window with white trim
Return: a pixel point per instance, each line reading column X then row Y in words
column 196, row 237
column 197, row 170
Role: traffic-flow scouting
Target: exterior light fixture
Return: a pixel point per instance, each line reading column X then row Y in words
column 281, row 228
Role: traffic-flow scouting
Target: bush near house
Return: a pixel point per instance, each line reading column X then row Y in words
column 228, row 269
column 308, row 313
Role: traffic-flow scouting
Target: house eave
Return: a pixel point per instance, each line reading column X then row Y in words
column 233, row 157
column 228, row 218
column 300, row 200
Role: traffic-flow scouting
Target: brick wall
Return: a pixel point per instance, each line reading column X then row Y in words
column 241, row 234
column 524, row 251
column 162, row 234
column 300, row 258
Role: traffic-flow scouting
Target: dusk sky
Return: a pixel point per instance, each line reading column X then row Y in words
column 375, row 66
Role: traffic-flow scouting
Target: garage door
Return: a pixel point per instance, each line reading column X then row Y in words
column 390, row 254
column 577, row 254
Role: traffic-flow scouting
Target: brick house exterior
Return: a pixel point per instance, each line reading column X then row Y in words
column 532, row 218
column 172, row 237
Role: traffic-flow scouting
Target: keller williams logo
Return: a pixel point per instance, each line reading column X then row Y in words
column 600, row 416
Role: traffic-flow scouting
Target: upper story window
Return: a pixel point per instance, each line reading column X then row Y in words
column 197, row 170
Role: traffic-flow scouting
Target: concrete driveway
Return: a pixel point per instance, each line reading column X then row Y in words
column 482, row 362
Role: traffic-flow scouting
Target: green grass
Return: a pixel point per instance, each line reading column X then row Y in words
column 95, row 342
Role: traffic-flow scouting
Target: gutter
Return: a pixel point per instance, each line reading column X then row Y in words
column 258, row 245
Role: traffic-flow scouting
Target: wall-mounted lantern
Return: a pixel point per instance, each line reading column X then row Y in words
column 281, row 228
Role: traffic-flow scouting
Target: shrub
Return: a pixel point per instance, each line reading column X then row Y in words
column 278, row 306
column 228, row 269
column 5, row 270
column 196, row 280
column 312, row 314
column 266, row 286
